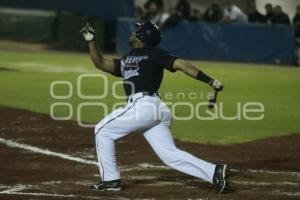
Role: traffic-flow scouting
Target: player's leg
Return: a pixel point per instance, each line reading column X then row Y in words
column 135, row 116
column 106, row 132
column 161, row 141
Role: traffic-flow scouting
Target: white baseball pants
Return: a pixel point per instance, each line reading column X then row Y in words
column 147, row 114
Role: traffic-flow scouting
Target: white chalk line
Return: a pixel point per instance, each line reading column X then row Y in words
column 297, row 174
column 283, row 193
column 141, row 166
column 144, row 166
column 52, row 195
column 277, row 192
column 259, row 183
column 13, row 144
column 148, row 166
column 17, row 190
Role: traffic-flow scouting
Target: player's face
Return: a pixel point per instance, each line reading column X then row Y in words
column 133, row 41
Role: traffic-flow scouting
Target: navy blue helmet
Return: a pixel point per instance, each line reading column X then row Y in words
column 148, row 33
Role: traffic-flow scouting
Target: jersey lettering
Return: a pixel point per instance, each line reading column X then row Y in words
column 130, row 66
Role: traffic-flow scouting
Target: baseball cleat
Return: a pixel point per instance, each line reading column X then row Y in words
column 107, row 186
column 220, row 178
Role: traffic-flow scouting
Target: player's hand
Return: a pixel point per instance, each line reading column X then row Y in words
column 88, row 32
column 217, row 85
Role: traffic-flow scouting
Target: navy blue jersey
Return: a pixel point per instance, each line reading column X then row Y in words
column 142, row 69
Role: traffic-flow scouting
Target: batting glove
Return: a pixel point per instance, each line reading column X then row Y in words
column 88, row 32
column 217, row 85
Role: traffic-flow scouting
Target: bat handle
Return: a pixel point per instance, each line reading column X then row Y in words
column 213, row 100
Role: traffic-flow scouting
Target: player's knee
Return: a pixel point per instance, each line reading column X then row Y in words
column 101, row 136
column 98, row 128
column 100, row 132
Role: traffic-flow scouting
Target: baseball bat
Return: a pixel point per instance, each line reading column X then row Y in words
column 213, row 100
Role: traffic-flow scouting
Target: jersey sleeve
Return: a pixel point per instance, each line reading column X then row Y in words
column 166, row 60
column 117, row 72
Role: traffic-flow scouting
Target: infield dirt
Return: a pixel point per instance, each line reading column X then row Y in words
column 264, row 169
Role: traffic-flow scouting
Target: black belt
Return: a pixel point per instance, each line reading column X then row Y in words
column 150, row 94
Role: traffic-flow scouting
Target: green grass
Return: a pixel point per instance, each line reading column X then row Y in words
column 27, row 85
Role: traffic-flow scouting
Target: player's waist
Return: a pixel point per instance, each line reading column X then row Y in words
column 140, row 95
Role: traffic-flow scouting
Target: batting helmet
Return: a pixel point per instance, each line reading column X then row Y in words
column 148, row 33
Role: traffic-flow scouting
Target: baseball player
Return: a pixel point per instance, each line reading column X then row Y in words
column 142, row 71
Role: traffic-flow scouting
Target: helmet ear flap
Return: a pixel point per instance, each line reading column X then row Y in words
column 138, row 31
column 139, row 34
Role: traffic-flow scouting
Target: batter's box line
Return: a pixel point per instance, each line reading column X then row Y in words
column 37, row 194
column 13, row 144
column 19, row 188
column 47, row 152
column 15, row 188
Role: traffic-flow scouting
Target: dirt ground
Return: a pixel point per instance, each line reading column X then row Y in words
column 45, row 159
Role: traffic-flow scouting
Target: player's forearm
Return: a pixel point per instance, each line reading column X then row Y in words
column 96, row 55
column 106, row 65
column 89, row 35
column 192, row 71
